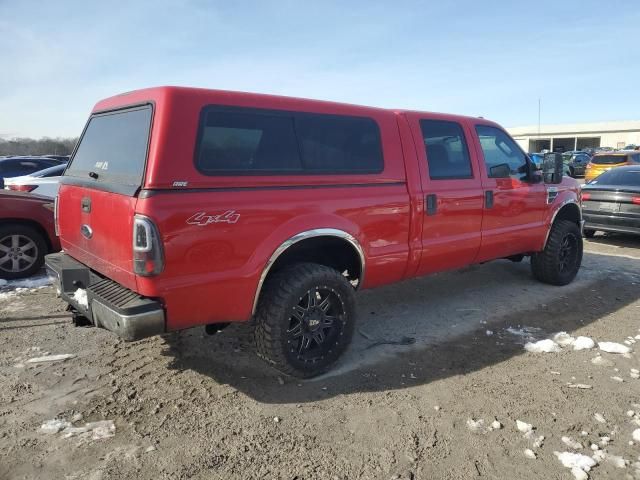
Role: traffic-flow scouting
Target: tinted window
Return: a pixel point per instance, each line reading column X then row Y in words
column 608, row 159
column 447, row 153
column 619, row 176
column 114, row 145
column 502, row 156
column 264, row 142
column 339, row 144
column 247, row 142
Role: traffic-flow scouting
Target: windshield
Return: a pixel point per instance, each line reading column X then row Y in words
column 113, row 148
column 619, row 176
column 608, row 159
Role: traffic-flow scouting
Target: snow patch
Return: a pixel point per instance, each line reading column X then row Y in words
column 524, row 427
column 529, row 453
column 613, row 347
column 563, row 339
column 542, row 346
column 599, row 418
column 96, row 430
column 26, row 283
column 583, row 343
column 576, row 460
column 51, row 358
column 54, row 426
column 636, row 435
column 80, row 296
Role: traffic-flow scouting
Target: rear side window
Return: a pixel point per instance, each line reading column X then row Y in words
column 447, row 153
column 263, row 142
column 114, row 147
column 619, row 176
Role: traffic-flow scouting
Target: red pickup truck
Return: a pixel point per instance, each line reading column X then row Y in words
column 183, row 207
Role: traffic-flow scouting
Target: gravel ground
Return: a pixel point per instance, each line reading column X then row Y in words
column 430, row 359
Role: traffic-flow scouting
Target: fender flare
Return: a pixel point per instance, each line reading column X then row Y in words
column 316, row 232
column 562, row 205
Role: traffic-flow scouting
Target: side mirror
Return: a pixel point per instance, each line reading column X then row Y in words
column 552, row 168
column 503, row 170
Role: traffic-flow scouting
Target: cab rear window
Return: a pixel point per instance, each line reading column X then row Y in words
column 113, row 147
column 608, row 159
column 237, row 141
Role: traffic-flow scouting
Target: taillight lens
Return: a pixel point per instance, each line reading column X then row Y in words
column 21, row 188
column 585, row 196
column 635, row 200
column 148, row 255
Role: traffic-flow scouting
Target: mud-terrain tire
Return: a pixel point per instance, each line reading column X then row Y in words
column 559, row 262
column 305, row 319
column 588, row 233
column 22, row 251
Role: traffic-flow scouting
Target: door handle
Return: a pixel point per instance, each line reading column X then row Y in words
column 431, row 204
column 488, row 199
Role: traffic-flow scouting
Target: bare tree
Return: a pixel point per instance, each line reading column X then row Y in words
column 42, row 146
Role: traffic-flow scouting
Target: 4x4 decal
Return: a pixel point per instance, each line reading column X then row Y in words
column 202, row 219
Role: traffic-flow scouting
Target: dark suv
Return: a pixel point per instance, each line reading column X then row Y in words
column 577, row 162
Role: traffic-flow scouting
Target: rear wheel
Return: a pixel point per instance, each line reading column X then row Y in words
column 588, row 233
column 559, row 262
column 305, row 319
column 22, row 251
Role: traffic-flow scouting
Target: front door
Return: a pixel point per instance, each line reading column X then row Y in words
column 514, row 207
column 452, row 194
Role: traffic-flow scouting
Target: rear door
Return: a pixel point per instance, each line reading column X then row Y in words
column 452, row 193
column 98, row 191
column 514, row 208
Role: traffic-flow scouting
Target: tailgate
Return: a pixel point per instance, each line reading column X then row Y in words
column 96, row 228
column 98, row 191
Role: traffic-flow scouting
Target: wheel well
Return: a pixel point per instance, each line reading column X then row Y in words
column 28, row 223
column 570, row 212
column 333, row 252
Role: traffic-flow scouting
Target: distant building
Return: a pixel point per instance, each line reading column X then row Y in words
column 576, row 136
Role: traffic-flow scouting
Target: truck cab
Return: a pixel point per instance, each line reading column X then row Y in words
column 184, row 207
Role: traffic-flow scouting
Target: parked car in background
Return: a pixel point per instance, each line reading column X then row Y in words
column 27, row 233
column 18, row 166
column 62, row 158
column 612, row 202
column 602, row 162
column 44, row 182
column 577, row 162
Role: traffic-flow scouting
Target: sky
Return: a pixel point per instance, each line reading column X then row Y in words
column 483, row 58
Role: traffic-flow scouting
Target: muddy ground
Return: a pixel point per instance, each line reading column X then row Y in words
column 428, row 356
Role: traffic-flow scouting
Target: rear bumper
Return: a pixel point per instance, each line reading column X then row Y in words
column 108, row 304
column 612, row 223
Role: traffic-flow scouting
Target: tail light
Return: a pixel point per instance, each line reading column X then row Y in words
column 588, row 165
column 585, row 196
column 21, row 188
column 635, row 200
column 148, row 255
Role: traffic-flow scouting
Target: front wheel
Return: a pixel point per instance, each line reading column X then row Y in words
column 305, row 319
column 559, row 262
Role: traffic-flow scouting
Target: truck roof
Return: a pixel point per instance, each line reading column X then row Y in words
column 236, row 97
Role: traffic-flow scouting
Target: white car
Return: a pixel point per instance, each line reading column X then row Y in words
column 44, row 182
